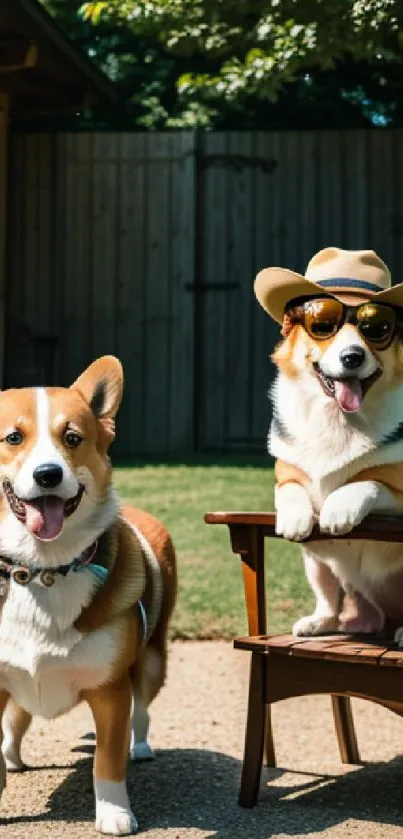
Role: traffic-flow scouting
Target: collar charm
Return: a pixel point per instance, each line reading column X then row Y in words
column 23, row 574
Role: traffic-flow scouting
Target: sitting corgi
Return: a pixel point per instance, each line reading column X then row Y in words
column 337, row 429
column 87, row 588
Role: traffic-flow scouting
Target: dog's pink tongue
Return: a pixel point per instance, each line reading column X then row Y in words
column 45, row 522
column 348, row 394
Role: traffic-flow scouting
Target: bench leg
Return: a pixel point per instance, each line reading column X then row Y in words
column 254, row 736
column 344, row 723
column 270, row 753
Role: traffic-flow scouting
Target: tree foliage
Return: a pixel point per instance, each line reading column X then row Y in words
column 246, row 63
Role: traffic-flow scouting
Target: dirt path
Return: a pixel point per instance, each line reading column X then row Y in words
column 190, row 790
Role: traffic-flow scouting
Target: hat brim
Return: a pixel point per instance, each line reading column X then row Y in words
column 275, row 287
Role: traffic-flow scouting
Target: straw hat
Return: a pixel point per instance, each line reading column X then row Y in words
column 351, row 276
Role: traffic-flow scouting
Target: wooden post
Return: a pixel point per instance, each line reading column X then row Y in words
column 3, row 213
column 248, row 542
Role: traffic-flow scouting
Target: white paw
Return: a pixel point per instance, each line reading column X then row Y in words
column 141, row 751
column 115, row 821
column 347, row 506
column 113, row 813
column 294, row 512
column 314, row 625
column 12, row 756
column 14, row 763
column 399, row 636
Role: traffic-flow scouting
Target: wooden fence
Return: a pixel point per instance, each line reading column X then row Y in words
column 146, row 246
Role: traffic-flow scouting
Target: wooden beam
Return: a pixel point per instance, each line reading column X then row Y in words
column 42, row 100
column 17, row 55
column 4, row 103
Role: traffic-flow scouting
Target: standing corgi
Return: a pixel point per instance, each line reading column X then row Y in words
column 337, row 430
column 87, row 587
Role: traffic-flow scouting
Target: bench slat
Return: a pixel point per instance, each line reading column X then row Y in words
column 337, row 647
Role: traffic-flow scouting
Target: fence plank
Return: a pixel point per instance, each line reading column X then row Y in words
column 356, row 198
column 269, row 249
column 31, row 224
column 44, row 235
column 104, row 244
column 238, row 302
column 307, row 234
column 215, row 240
column 182, row 235
column 157, row 291
column 396, row 140
column 130, row 333
column 75, row 350
column 380, row 187
column 331, row 179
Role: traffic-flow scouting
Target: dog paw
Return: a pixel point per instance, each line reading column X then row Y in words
column 294, row 513
column 115, row 821
column 368, row 619
column 12, row 756
column 141, row 751
column 314, row 625
column 398, row 637
column 360, row 626
column 347, row 506
column 113, row 813
column 14, row 763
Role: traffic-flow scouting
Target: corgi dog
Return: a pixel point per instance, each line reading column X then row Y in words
column 87, row 586
column 337, row 432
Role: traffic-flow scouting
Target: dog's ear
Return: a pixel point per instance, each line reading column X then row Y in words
column 101, row 384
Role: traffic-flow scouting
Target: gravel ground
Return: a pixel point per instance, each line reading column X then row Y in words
column 190, row 790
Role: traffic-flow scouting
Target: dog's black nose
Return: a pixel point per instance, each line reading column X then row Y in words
column 352, row 357
column 48, row 475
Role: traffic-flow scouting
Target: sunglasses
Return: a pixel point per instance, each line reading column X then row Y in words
column 322, row 317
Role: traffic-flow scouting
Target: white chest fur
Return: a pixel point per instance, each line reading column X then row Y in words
column 327, row 445
column 44, row 661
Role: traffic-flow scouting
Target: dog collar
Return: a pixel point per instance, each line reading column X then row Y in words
column 23, row 574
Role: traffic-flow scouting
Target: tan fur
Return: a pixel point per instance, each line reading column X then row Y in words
column 126, row 581
column 108, row 703
column 320, row 483
column 146, row 680
column 286, row 473
column 390, row 475
column 160, row 540
column 110, row 706
column 133, row 574
column 68, row 409
column 283, row 354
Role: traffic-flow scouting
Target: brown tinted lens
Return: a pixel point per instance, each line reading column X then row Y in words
column 322, row 318
column 376, row 323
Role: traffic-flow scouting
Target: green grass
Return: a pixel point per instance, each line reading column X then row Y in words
column 211, row 600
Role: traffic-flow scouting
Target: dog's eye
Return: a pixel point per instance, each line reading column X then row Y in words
column 72, row 439
column 14, row 438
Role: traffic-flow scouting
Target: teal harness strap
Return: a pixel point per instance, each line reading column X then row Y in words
column 101, row 574
column 98, row 571
column 143, row 615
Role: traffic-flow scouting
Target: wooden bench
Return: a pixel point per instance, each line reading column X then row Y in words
column 283, row 666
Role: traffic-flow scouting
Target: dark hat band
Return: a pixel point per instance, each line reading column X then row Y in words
column 346, row 282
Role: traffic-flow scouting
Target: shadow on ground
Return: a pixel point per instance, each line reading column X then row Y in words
column 192, row 788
